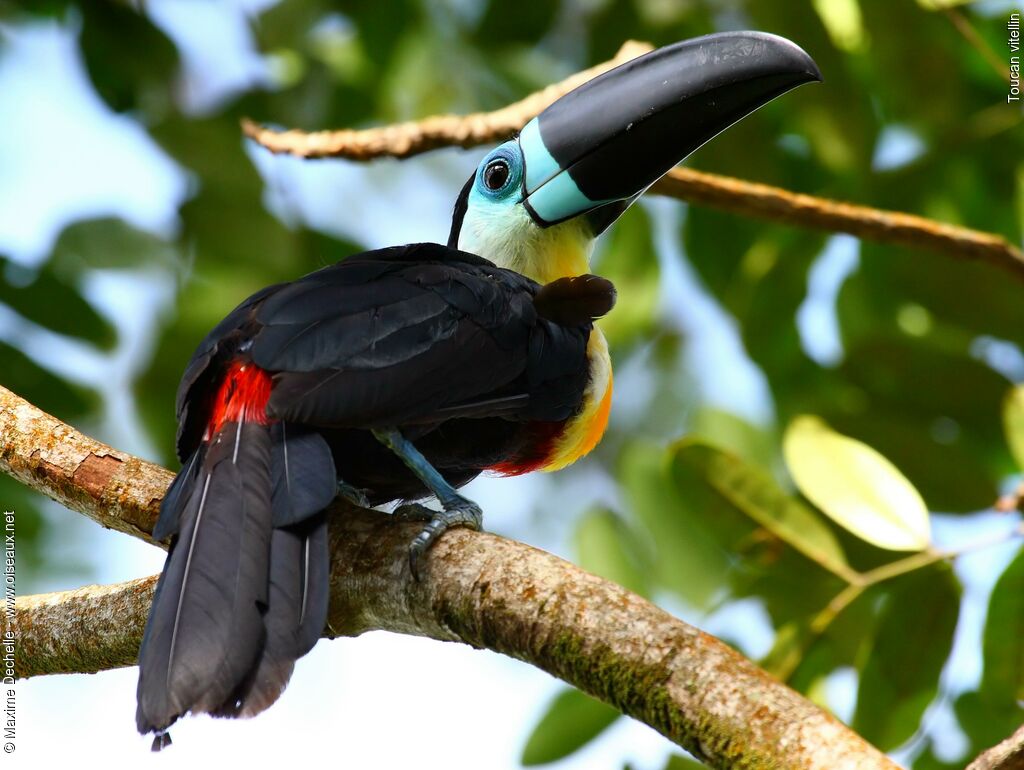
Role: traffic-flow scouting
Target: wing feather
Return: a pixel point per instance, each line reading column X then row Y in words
column 404, row 335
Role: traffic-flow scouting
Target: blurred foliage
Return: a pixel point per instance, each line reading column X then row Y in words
column 915, row 628
column 571, row 721
column 714, row 518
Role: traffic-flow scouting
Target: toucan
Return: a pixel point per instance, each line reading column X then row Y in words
column 405, row 372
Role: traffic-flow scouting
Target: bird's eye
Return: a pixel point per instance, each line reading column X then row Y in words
column 496, row 174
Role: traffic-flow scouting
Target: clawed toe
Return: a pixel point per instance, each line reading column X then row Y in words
column 353, row 494
column 463, row 513
column 414, row 512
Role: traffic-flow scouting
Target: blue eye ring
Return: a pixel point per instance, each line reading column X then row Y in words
column 496, row 174
column 500, row 172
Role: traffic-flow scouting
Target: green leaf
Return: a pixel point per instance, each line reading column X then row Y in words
column 914, row 638
column 50, row 301
column 1013, row 423
column 628, row 259
column 131, row 62
column 803, row 655
column 941, row 5
column 46, row 390
column 521, row 22
column 689, row 560
column 754, row 493
column 857, row 487
column 108, row 242
column 572, row 720
column 678, row 762
column 734, row 434
column 791, row 642
column 842, row 19
column 985, row 722
column 1003, row 645
column 607, row 548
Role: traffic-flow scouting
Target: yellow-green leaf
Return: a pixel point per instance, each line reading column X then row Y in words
column 941, row 5
column 843, row 22
column 1013, row 423
column 856, row 486
column 754, row 492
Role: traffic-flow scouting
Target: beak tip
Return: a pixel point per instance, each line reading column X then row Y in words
column 812, row 70
column 814, row 74
column 610, row 138
column 805, row 65
column 788, row 56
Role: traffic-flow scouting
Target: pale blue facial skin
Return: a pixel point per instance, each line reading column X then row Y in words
column 542, row 165
column 497, row 227
column 552, row 194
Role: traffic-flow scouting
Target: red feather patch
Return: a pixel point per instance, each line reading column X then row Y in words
column 536, row 452
column 242, row 397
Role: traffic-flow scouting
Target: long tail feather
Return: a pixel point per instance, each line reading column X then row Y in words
column 296, row 614
column 205, row 630
column 302, row 469
column 304, row 483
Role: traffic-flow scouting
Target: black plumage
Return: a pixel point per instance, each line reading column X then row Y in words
column 435, row 340
column 302, row 473
column 464, row 357
column 205, row 629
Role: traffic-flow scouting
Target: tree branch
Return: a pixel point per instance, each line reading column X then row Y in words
column 1007, row 755
column 112, row 488
column 893, row 227
column 477, row 588
column 403, row 140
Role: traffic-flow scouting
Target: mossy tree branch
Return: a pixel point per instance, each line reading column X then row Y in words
column 477, row 588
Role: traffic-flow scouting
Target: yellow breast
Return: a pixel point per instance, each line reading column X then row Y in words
column 584, row 431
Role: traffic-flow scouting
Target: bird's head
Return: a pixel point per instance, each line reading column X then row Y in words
column 536, row 203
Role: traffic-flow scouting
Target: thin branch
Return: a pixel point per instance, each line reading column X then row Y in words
column 862, row 581
column 971, row 35
column 1007, row 755
column 403, row 140
column 893, row 227
column 1011, row 501
column 478, row 589
column 750, row 199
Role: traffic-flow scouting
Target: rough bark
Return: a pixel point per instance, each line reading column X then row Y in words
column 1006, row 755
column 112, row 488
column 477, row 588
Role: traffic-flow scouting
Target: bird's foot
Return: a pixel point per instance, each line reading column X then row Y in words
column 457, row 513
column 353, row 494
column 161, row 740
column 414, row 512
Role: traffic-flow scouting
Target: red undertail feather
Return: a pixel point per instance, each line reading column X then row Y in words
column 538, row 449
column 242, row 397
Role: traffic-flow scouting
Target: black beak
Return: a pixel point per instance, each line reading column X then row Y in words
column 598, row 147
